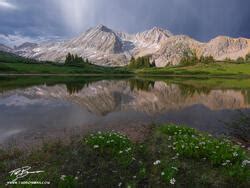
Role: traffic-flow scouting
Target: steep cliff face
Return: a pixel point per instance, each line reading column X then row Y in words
column 106, row 47
column 173, row 49
column 100, row 39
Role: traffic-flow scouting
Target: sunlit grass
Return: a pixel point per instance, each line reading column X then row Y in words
column 216, row 69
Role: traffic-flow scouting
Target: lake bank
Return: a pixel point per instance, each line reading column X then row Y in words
column 223, row 70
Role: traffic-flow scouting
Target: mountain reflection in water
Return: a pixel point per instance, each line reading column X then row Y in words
column 43, row 111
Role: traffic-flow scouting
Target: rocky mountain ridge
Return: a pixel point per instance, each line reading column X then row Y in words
column 106, row 47
column 5, row 48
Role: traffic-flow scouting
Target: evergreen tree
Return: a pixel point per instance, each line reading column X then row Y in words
column 189, row 58
column 74, row 59
column 153, row 64
column 87, row 61
column 132, row 60
column 248, row 58
column 240, row 60
column 140, row 62
column 207, row 59
column 68, row 59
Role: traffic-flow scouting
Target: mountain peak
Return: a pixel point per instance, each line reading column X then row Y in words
column 160, row 30
column 103, row 28
column 26, row 45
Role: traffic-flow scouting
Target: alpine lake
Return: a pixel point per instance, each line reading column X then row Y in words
column 35, row 109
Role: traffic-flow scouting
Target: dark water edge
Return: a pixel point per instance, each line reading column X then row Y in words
column 36, row 109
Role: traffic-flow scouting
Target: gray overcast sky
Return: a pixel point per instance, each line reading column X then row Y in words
column 32, row 20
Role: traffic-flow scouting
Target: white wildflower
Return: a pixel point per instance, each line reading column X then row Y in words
column 96, row 146
column 157, row 162
column 175, row 157
column 129, row 149
column 174, row 168
column 224, row 164
column 172, row 181
column 245, row 163
column 63, row 177
column 163, row 173
column 235, row 154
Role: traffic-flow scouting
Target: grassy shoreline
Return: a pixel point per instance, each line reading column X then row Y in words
column 169, row 156
column 232, row 70
column 11, row 64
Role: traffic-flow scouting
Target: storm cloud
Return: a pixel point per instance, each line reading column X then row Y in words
column 200, row 19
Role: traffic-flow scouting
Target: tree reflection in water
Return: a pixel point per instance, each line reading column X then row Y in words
column 144, row 85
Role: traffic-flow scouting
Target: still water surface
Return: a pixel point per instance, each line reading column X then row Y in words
column 35, row 112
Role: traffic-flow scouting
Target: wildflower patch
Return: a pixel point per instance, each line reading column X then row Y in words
column 188, row 142
column 113, row 144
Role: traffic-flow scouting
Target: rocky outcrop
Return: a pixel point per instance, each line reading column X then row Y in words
column 172, row 50
column 225, row 47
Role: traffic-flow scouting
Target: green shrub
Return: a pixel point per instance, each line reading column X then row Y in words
column 247, row 58
column 240, row 60
column 207, row 59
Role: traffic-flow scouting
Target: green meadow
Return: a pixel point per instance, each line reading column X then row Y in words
column 170, row 155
